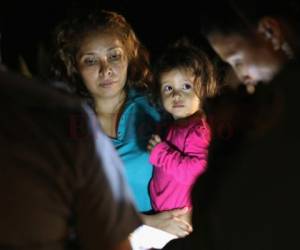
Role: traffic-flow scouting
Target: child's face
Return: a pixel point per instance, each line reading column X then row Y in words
column 178, row 93
column 102, row 63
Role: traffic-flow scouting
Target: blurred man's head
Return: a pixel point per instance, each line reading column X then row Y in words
column 254, row 37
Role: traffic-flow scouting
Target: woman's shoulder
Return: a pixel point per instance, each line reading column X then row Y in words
column 139, row 96
column 141, row 99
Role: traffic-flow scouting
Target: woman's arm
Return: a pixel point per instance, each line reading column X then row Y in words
column 172, row 221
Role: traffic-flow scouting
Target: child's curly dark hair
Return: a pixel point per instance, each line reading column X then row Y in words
column 184, row 55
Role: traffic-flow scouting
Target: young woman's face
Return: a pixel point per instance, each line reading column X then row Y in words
column 178, row 93
column 253, row 60
column 102, row 63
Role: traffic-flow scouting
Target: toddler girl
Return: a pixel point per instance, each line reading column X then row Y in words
column 185, row 76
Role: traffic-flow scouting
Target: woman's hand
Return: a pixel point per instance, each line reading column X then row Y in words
column 155, row 139
column 172, row 221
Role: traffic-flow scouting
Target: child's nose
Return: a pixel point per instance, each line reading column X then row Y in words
column 176, row 93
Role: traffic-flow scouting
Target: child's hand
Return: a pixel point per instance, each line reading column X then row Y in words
column 155, row 139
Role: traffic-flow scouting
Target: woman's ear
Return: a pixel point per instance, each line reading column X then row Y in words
column 271, row 29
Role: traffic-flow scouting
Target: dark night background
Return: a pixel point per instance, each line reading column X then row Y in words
column 26, row 25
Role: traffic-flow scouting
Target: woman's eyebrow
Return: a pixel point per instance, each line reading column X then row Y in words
column 114, row 48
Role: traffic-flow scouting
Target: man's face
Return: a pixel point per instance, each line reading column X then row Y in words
column 252, row 58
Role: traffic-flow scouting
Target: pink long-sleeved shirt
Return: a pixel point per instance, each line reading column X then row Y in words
column 178, row 161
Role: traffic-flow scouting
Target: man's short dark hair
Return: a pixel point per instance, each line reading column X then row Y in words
column 242, row 16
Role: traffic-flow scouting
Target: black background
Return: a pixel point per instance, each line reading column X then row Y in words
column 26, row 24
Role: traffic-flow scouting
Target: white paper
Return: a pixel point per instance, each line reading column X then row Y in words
column 146, row 237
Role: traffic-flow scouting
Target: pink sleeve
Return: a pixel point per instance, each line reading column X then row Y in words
column 188, row 165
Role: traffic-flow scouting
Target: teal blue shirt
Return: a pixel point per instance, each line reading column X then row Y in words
column 138, row 121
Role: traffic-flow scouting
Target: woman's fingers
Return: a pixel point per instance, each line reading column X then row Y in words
column 184, row 225
column 183, row 217
column 167, row 222
column 179, row 227
column 179, row 211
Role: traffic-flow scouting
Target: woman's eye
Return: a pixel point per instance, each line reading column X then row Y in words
column 167, row 88
column 187, row 86
column 114, row 57
column 90, row 61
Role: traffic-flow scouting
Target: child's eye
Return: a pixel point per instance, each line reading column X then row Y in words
column 167, row 88
column 187, row 86
column 89, row 61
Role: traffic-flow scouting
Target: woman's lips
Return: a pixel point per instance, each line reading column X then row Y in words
column 106, row 84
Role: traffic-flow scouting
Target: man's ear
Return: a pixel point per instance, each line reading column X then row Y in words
column 270, row 28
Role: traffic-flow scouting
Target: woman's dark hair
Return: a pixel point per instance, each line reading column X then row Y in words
column 183, row 55
column 70, row 34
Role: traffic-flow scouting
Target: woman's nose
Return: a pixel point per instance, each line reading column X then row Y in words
column 106, row 70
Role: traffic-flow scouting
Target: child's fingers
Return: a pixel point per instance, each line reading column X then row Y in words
column 156, row 138
column 152, row 142
column 149, row 147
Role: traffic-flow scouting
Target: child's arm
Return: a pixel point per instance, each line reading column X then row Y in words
column 188, row 165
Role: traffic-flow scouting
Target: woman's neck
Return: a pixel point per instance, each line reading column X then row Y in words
column 108, row 112
column 109, row 106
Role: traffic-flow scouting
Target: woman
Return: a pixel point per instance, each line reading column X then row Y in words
column 100, row 57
